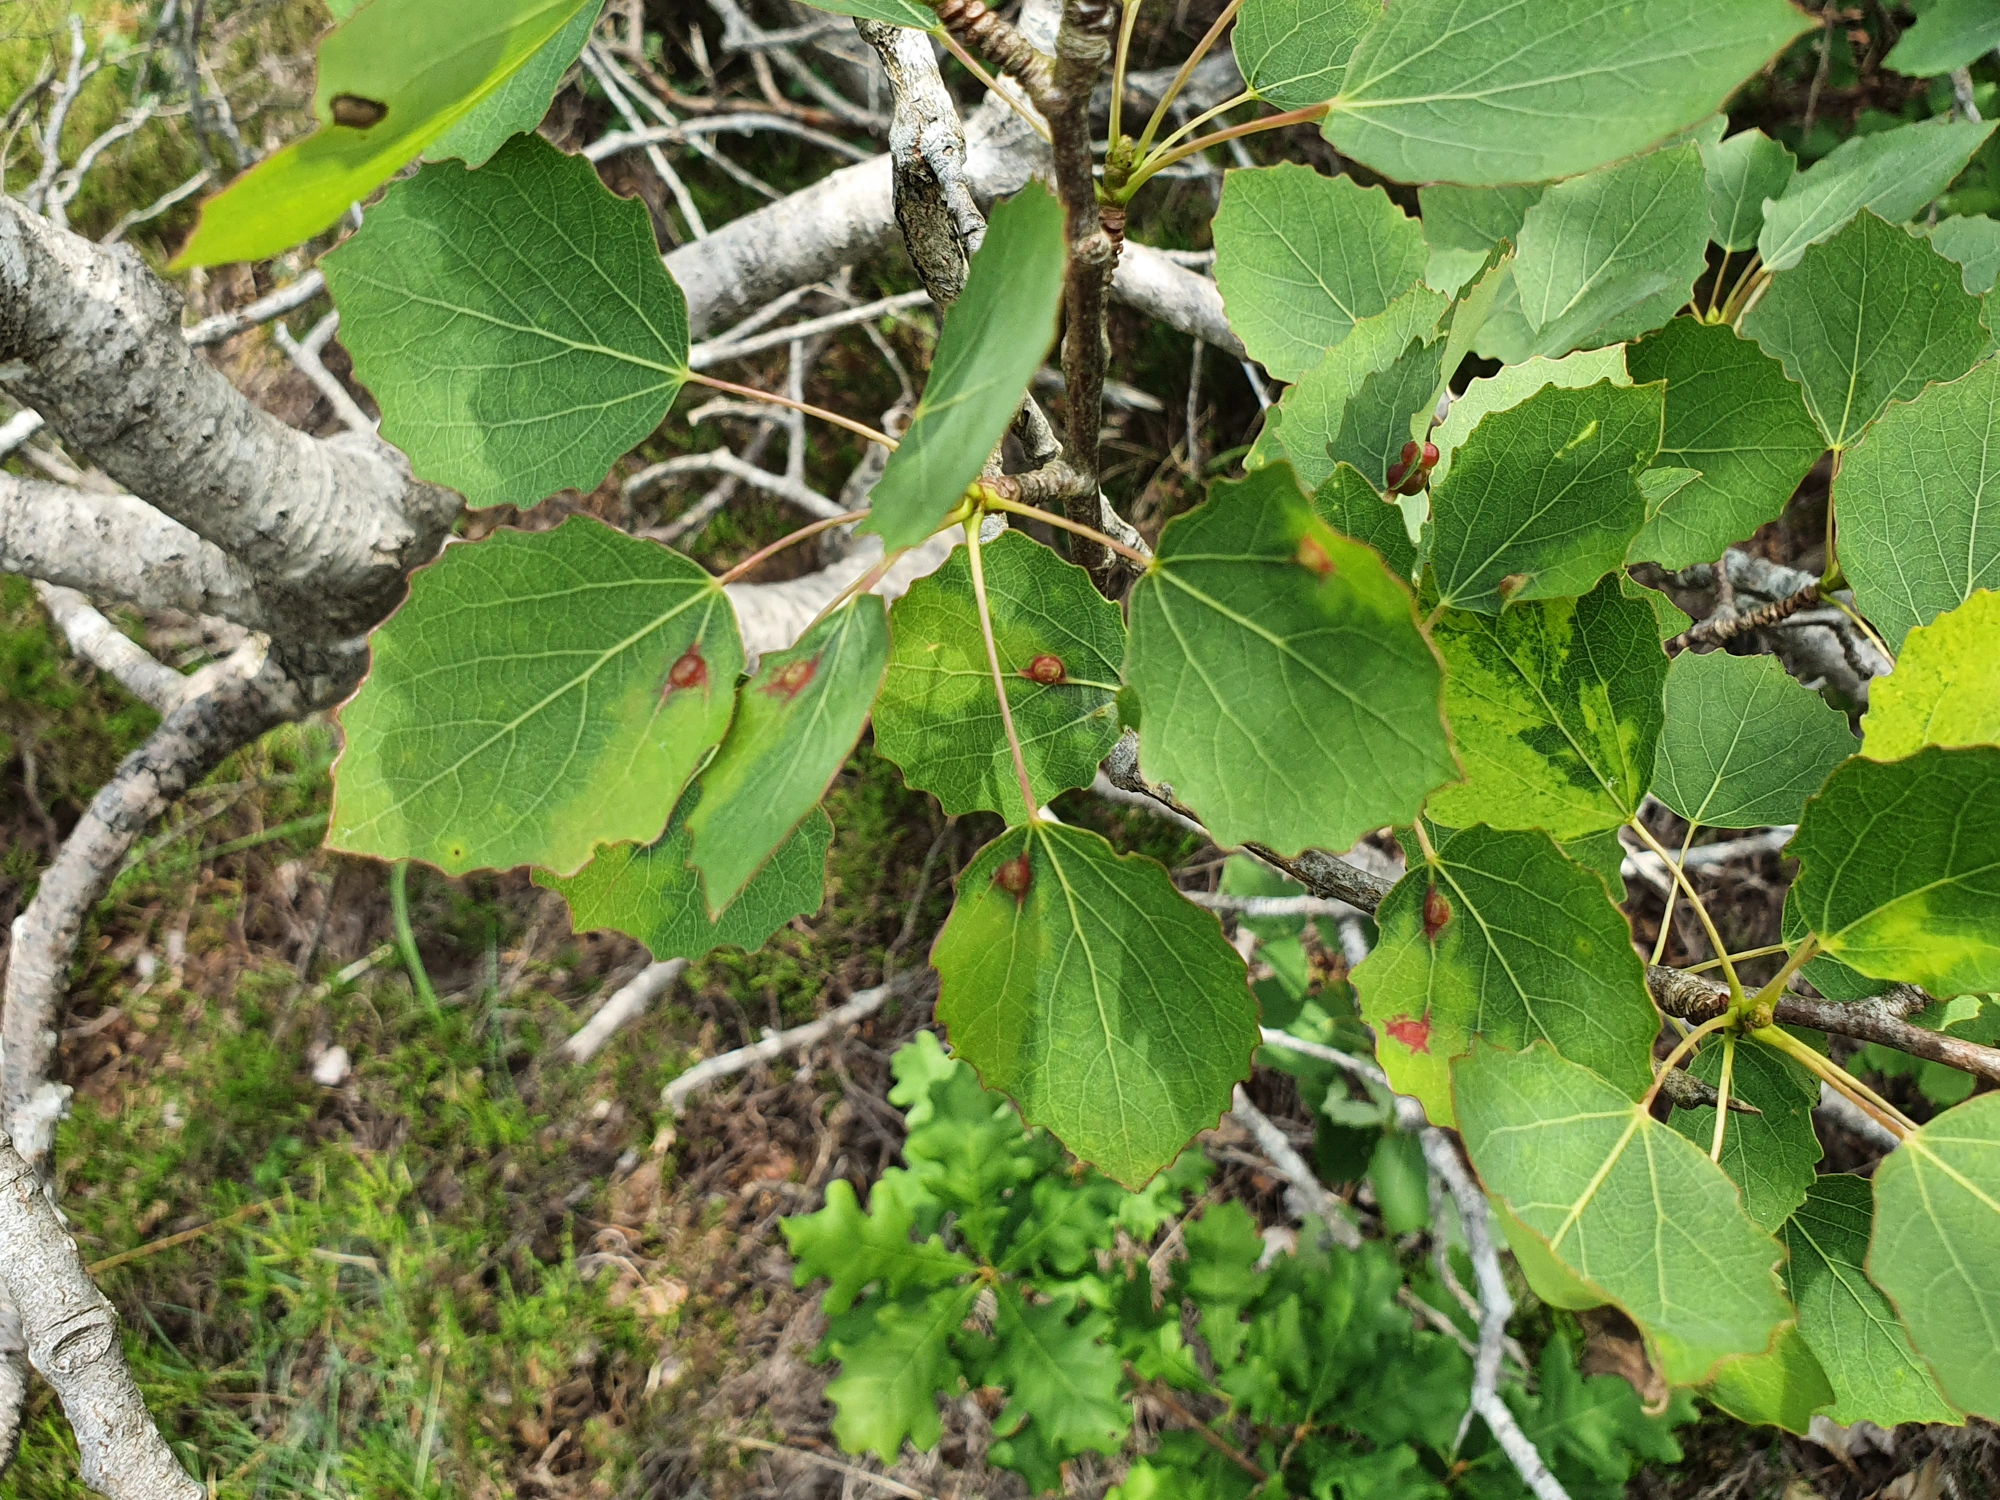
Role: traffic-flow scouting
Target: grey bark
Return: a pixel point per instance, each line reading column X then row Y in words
column 99, row 642
column 941, row 223
column 13, row 1377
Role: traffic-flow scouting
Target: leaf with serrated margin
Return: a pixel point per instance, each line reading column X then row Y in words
column 1293, row 53
column 522, row 707
column 1474, row 92
column 937, row 717
column 1543, row 499
column 424, row 67
column 1741, row 173
column 515, row 323
column 1919, row 504
column 895, row 1357
column 1946, row 686
column 1511, row 385
column 652, row 893
column 1865, row 1351
column 1737, row 422
column 1503, row 937
column 1063, row 1381
column 1288, row 693
column 1948, row 34
column 1973, row 240
column 1623, row 1202
column 1771, row 1156
column 1936, row 1248
column 1892, row 173
column 797, row 718
column 1555, row 708
column 1300, row 258
column 1095, row 995
column 1606, row 256
column 1463, row 225
column 855, row 1250
column 993, row 341
column 1899, row 868
column 1354, row 507
column 1744, row 745
column 1783, row 1388
column 1871, row 316
column 519, row 104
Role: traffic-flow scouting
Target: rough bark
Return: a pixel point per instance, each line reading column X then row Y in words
column 935, row 209
column 100, row 643
column 13, row 1377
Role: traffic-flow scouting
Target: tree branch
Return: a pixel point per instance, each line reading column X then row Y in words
column 105, row 647
column 1304, row 1194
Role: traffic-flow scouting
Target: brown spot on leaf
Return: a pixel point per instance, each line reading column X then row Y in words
column 1014, row 876
column 357, row 113
column 688, row 671
column 790, row 680
column 1047, row 670
column 1437, row 912
column 1512, row 584
column 1312, row 556
column 1413, row 1033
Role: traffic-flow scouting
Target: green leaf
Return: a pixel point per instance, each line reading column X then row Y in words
column 1606, row 256
column 1301, row 258
column 1441, row 92
column 425, row 66
column 1876, row 1375
column 1899, row 868
column 1973, row 240
column 1936, row 1247
column 1829, row 976
column 651, row 892
column 797, row 718
column 1870, row 316
column 519, row 104
column 1625, row 1203
column 896, row 12
column 515, row 323
column 895, row 1357
column 1737, row 422
column 994, row 340
column 1293, row 53
column 1064, row 1383
column 1555, row 708
column 1463, row 225
column 1946, row 686
column 1543, row 498
column 1918, row 503
column 1287, row 691
column 1893, row 173
column 1594, row 1432
column 522, row 706
column 1504, row 937
column 1512, row 384
column 937, row 717
column 1744, row 745
column 1104, row 1003
column 1780, row 1389
column 855, row 1251
column 1354, row 507
column 1391, row 407
column 1770, row 1156
column 1741, row 173
column 1948, row 34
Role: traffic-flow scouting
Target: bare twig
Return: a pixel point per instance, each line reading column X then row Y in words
column 305, row 355
column 631, row 1001
column 227, row 325
column 102, row 644
column 853, row 1472
column 722, row 461
column 1304, row 1195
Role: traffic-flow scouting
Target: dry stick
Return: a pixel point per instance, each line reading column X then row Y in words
column 971, row 65
column 154, row 1247
column 1305, row 1195
column 227, row 325
column 1719, row 628
column 626, row 1005
column 993, row 661
column 852, row 1471
column 859, row 429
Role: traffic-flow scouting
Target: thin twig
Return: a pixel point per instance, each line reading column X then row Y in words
column 852, row 1471
column 631, row 1001
column 1306, row 1197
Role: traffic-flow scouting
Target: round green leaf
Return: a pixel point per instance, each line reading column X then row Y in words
column 1512, row 384
column 517, row 105
column 1354, row 507
column 1893, row 173
column 1287, row 691
column 1079, row 982
column 1744, row 745
column 522, row 707
column 1946, row 686
column 1293, row 53
column 1783, row 1388
column 1948, row 34
column 1973, row 240
column 1741, row 173
column 937, row 717
column 515, row 323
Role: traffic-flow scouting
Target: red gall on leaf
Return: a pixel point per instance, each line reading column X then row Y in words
column 790, row 679
column 1014, row 876
column 1437, row 912
column 1313, row 558
column 688, row 671
column 1430, row 458
column 1047, row 670
column 1414, row 1034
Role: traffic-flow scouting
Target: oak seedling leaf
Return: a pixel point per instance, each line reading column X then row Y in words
column 1503, row 937
column 1543, row 498
column 413, row 69
column 1061, row 647
column 540, row 693
column 1870, row 316
column 1741, row 173
column 1899, row 868
column 1736, row 424
column 994, row 340
column 519, row 104
column 1354, row 507
column 1442, row 91
column 1065, row 1381
column 515, row 323
column 1771, row 1156
column 1554, row 707
column 652, row 893
column 1286, row 689
column 797, row 718
column 1876, row 1376
column 856, row 1250
column 1293, row 53
column 1300, row 258
column 1625, row 1203
column 1945, row 689
column 1936, row 1247
column 1919, row 504
column 895, row 1356
column 1084, row 986
column 1745, row 744
column 1893, row 173
column 1973, row 240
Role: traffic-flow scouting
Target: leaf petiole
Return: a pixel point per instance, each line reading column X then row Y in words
column 1160, row 160
column 992, row 501
column 860, row 429
column 861, row 585
column 993, row 661
column 1667, row 916
column 1748, row 953
column 1201, row 50
column 1863, row 1097
column 785, row 541
column 1722, row 1095
column 1682, row 1048
column 1736, row 997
